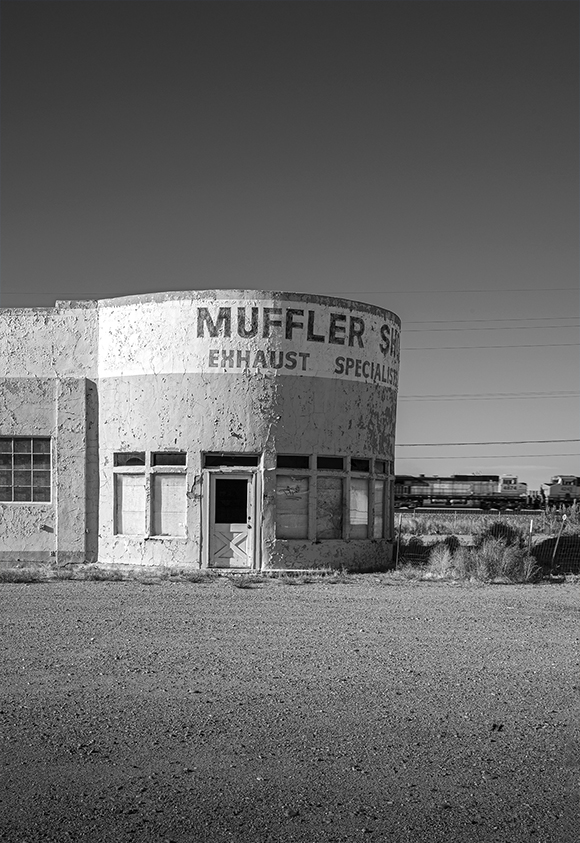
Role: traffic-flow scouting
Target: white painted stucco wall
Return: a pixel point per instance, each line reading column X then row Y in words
column 234, row 371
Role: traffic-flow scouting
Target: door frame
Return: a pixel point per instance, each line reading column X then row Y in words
column 253, row 475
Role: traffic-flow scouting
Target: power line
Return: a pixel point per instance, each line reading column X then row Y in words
column 513, row 319
column 471, row 394
column 487, row 457
column 484, row 290
column 493, row 442
column 455, row 347
column 501, row 328
column 516, row 397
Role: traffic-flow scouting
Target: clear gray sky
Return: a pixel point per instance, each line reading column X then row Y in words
column 421, row 155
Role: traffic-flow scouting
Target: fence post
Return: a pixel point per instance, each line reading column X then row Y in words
column 557, row 543
column 530, row 536
column 398, row 540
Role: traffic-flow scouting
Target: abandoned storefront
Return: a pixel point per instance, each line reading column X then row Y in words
column 228, row 429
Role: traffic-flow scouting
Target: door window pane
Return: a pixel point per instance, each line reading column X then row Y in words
column 359, row 507
column 291, row 507
column 169, row 508
column 329, row 508
column 130, row 504
column 231, row 501
column 379, row 509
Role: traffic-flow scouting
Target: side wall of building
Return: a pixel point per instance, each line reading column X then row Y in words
column 45, row 355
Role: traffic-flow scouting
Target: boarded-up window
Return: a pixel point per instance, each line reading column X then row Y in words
column 329, row 508
column 291, row 507
column 168, row 505
column 130, row 504
column 359, row 507
column 379, row 516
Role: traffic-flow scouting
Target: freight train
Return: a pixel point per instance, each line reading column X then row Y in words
column 562, row 489
column 482, row 491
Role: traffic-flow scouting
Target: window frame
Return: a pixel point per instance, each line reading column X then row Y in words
column 13, row 470
column 148, row 471
column 374, row 474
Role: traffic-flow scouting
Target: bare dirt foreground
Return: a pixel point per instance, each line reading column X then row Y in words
column 372, row 711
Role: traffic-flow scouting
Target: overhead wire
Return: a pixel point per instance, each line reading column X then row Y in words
column 459, row 347
column 491, row 442
column 485, row 457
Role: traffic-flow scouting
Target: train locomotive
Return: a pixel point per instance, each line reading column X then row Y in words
column 482, row 491
column 562, row 489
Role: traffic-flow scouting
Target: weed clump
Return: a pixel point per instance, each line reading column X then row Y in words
column 22, row 575
column 494, row 560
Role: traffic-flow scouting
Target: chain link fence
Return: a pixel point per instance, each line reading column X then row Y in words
column 551, row 536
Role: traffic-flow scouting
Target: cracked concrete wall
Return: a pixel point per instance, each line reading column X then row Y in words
column 245, row 372
column 231, row 370
column 44, row 355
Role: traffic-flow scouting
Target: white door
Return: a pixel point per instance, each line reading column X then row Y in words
column 230, row 522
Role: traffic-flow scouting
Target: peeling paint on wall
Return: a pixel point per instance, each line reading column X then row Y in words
column 225, row 371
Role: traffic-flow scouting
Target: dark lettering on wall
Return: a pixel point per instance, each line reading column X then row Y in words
column 269, row 322
column 385, row 343
column 335, row 329
column 356, row 331
column 244, row 331
column 224, row 318
column 290, row 323
column 310, row 334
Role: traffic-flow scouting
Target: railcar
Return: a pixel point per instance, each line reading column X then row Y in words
column 484, row 491
column 562, row 489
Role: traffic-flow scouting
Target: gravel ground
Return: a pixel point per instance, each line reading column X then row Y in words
column 372, row 711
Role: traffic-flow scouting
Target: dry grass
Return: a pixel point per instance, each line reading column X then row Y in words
column 442, row 524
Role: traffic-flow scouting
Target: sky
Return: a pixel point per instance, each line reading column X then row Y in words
column 419, row 155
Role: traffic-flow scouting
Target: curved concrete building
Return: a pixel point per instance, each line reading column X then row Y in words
column 227, row 429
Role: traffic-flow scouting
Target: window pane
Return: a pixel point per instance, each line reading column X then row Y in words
column 330, row 462
column 5, row 460
column 169, row 501
column 40, row 478
column 130, row 504
column 380, row 466
column 360, row 465
column 329, row 508
column 291, row 507
column 41, row 461
column 359, row 507
column 41, row 494
column 22, row 446
column 292, row 461
column 5, row 446
column 22, row 478
column 5, row 493
column 129, row 458
column 379, row 509
column 214, row 460
column 168, row 458
column 5, row 478
column 231, row 500
column 41, row 446
column 22, row 461
column 23, row 493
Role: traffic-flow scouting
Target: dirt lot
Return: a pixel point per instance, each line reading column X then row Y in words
column 371, row 711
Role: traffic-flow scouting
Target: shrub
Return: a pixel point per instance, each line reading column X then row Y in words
column 244, row 581
column 464, row 563
column 510, row 534
column 441, row 562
